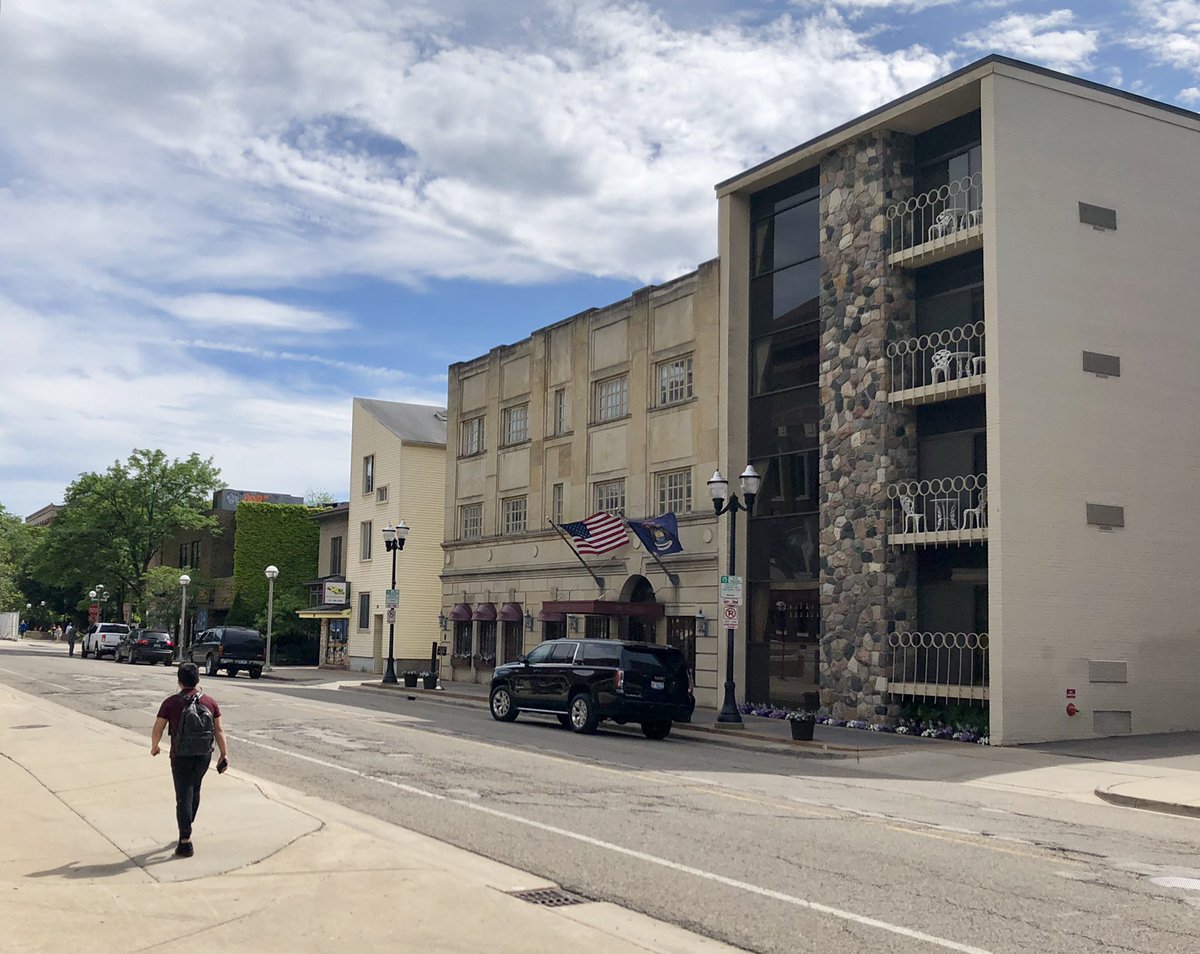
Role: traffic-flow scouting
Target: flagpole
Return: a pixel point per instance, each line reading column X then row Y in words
column 599, row 579
column 673, row 577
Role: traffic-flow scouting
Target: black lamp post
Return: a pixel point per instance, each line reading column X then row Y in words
column 718, row 486
column 393, row 539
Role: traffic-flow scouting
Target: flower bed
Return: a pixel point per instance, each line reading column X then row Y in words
column 923, row 722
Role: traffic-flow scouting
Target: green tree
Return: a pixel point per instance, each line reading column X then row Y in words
column 319, row 498
column 114, row 523
column 18, row 544
column 161, row 595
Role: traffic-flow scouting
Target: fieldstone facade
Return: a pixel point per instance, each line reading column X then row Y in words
column 866, row 443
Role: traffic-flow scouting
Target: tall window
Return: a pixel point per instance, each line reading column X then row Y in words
column 369, row 474
column 487, row 642
column 612, row 398
column 516, row 424
column 610, row 495
column 335, row 556
column 514, row 514
column 559, row 423
column 183, row 556
column 472, row 437
column 364, row 610
column 462, row 639
column 364, row 540
column 194, row 554
column 470, row 521
column 556, row 503
column 675, row 491
column 675, row 380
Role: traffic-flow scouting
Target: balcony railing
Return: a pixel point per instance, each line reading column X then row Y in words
column 938, row 223
column 940, row 665
column 941, row 365
column 939, row 512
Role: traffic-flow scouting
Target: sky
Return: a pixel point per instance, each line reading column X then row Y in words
column 220, row 220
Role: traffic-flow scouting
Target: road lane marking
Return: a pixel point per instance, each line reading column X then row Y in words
column 47, row 682
column 746, row 886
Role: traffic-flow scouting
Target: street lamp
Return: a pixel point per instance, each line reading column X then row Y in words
column 718, row 487
column 393, row 540
column 272, row 572
column 184, row 580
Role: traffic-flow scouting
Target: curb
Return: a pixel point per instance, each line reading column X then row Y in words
column 710, row 734
column 1147, row 804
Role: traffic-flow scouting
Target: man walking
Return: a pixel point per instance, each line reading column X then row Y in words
column 70, row 639
column 194, row 720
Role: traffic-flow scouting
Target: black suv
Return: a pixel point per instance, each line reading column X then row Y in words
column 230, row 648
column 583, row 681
column 139, row 645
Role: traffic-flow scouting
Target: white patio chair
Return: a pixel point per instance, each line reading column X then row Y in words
column 940, row 364
column 910, row 514
column 978, row 513
column 945, row 224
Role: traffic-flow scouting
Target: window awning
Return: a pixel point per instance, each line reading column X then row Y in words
column 485, row 611
column 546, row 616
column 461, row 613
column 511, row 613
column 325, row 611
column 605, row 608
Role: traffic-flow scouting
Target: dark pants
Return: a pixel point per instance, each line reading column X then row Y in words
column 71, row 646
column 188, row 773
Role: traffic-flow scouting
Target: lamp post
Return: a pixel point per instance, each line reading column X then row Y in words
column 272, row 572
column 718, row 487
column 393, row 540
column 184, row 580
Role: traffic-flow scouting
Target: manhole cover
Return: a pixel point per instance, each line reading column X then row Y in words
column 34, row 726
column 549, row 897
column 1187, row 884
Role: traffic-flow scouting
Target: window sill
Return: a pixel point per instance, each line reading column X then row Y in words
column 514, row 444
column 479, row 453
column 611, row 420
column 673, row 405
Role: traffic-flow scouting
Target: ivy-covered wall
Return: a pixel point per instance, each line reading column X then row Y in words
column 268, row 534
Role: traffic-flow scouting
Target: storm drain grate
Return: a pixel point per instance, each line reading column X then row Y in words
column 549, row 897
column 34, row 726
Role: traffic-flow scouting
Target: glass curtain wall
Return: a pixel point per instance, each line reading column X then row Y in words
column 783, row 428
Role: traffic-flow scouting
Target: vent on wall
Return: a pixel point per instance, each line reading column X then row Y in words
column 1105, row 365
column 1104, row 515
column 1097, row 216
column 1112, row 722
column 1108, row 670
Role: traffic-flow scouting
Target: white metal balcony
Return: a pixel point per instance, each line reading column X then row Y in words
column 932, row 666
column 935, row 367
column 937, row 224
column 945, row 511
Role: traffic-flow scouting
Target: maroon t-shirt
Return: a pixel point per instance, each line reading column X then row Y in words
column 172, row 709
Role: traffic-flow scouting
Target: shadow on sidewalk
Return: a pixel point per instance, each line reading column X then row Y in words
column 73, row 869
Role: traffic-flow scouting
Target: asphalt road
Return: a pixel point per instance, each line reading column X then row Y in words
column 766, row 850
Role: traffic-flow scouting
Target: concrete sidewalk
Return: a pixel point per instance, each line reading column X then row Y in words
column 86, row 807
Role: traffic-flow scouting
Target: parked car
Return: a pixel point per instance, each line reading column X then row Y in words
column 231, row 648
column 101, row 639
column 146, row 645
column 584, row 681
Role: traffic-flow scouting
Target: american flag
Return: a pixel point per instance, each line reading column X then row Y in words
column 599, row 533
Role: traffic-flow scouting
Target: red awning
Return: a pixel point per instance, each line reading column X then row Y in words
column 461, row 612
column 485, row 611
column 511, row 613
column 605, row 608
column 549, row 616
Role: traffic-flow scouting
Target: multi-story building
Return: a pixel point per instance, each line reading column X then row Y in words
column 329, row 593
column 963, row 351
column 397, row 472
column 615, row 409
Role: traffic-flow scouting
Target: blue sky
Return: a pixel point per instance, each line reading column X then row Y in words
column 225, row 218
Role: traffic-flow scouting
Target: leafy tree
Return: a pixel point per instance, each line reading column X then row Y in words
column 161, row 595
column 114, row 523
column 18, row 542
column 319, row 498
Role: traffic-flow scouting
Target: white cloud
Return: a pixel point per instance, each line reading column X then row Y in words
column 1190, row 95
column 1044, row 38
column 1171, row 33
column 244, row 311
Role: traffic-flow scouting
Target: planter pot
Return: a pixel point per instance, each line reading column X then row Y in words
column 802, row 731
column 429, row 682
column 410, row 680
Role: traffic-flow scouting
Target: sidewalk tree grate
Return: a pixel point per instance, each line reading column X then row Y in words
column 34, row 726
column 549, row 897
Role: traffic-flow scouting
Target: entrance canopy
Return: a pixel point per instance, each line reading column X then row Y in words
column 325, row 611
column 606, row 608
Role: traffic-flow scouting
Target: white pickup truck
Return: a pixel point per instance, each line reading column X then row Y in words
column 101, row 639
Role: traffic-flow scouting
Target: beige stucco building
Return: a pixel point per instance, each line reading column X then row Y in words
column 615, row 409
column 960, row 343
column 397, row 472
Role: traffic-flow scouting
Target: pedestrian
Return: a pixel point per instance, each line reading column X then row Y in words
column 56, row 633
column 22, row 629
column 70, row 634
column 194, row 721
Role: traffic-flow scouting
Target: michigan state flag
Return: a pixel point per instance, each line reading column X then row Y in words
column 658, row 534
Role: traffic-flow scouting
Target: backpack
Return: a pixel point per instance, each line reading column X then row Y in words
column 196, row 729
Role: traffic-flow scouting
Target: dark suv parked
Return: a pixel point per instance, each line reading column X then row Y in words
column 230, row 648
column 583, row 681
column 140, row 645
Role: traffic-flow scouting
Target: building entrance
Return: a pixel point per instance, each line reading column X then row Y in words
column 784, row 658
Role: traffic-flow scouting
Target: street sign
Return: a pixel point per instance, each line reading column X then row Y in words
column 391, row 598
column 391, row 614
column 729, row 613
column 731, row 589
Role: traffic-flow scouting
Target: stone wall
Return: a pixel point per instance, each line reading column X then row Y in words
column 866, row 444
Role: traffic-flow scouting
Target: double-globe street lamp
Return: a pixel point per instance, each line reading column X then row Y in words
column 393, row 540
column 272, row 572
column 718, row 487
column 184, row 580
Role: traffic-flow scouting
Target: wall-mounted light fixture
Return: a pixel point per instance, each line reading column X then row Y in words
column 529, row 621
column 442, row 622
column 701, row 623
column 574, row 624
